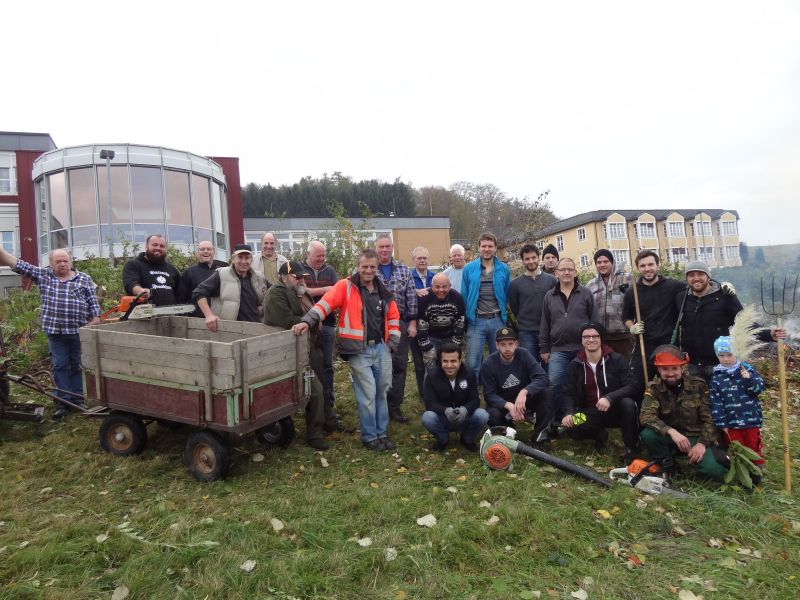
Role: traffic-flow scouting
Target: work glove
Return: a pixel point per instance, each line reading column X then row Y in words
column 637, row 328
column 460, row 415
column 727, row 288
column 450, row 413
column 624, row 287
column 429, row 357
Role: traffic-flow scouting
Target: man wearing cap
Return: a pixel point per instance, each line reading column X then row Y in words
column 526, row 296
column 234, row 293
column 608, row 290
column 598, row 393
column 550, row 259
column 484, row 285
column 368, row 330
column 707, row 310
column 285, row 303
column 515, row 386
column 451, row 401
column 268, row 261
column 676, row 414
column 197, row 274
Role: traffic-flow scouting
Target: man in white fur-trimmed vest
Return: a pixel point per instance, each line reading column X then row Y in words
column 234, row 293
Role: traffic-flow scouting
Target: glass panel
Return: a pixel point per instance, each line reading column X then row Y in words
column 5, row 179
column 122, row 233
column 82, row 197
column 59, row 239
column 44, row 247
column 216, row 207
column 146, row 197
column 176, row 189
column 179, row 234
column 201, row 202
column 221, row 240
column 58, row 202
column 203, row 235
column 84, row 236
column 121, row 207
column 142, row 230
column 41, row 202
column 7, row 241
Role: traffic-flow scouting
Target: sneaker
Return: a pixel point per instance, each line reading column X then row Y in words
column 387, row 443
column 395, row 414
column 439, row 446
column 601, row 440
column 336, row 427
column 59, row 413
column 318, row 444
column 628, row 455
column 470, row 445
column 375, row 445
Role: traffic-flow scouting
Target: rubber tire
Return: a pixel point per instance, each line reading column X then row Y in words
column 280, row 433
column 129, row 427
column 207, row 455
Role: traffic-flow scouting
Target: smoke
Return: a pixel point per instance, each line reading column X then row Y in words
column 792, row 327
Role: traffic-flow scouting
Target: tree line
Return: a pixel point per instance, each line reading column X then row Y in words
column 471, row 207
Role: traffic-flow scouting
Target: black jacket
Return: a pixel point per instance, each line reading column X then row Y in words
column 612, row 377
column 439, row 394
column 161, row 278
column 657, row 307
column 194, row 276
column 704, row 319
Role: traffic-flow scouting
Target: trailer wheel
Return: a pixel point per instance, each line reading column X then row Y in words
column 207, row 455
column 123, row 434
column 279, row 433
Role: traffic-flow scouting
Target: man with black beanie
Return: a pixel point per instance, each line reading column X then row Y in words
column 550, row 259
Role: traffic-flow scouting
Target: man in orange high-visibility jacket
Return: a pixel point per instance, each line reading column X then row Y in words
column 367, row 331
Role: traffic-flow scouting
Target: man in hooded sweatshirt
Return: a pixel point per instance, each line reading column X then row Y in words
column 598, row 393
column 150, row 275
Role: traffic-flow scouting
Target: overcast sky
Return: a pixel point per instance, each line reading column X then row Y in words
column 609, row 105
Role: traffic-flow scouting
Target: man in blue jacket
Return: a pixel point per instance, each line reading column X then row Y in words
column 484, row 286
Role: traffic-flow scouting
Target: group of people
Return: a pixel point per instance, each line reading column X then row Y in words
column 562, row 354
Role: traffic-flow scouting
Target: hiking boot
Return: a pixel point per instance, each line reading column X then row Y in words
column 629, row 454
column 375, row 445
column 601, row 440
column 318, row 443
column 470, row 445
column 439, row 446
column 396, row 415
column 336, row 427
column 387, row 443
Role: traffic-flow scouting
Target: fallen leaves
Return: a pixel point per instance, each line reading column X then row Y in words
column 390, row 554
column 364, row 542
column 603, row 513
column 485, row 504
column 493, row 520
column 248, row 565
column 257, row 457
column 277, row 524
column 580, row 594
column 120, row 593
column 427, row 521
column 101, row 538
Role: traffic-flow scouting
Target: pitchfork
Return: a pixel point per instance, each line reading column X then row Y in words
column 780, row 309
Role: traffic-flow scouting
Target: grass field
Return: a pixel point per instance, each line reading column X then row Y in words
column 76, row 522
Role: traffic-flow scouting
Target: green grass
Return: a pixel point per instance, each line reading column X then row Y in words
column 172, row 537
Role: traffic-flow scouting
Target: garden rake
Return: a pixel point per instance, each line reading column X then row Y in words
column 781, row 305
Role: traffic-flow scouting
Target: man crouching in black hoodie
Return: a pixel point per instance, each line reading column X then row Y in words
column 598, row 393
column 451, row 401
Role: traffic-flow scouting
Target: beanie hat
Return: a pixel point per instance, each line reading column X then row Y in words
column 697, row 265
column 596, row 326
column 550, row 249
column 723, row 344
column 604, row 252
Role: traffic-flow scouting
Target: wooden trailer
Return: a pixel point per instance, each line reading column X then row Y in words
column 244, row 378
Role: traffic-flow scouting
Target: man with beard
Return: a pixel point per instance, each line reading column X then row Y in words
column 68, row 303
column 368, row 330
column 676, row 414
column 197, row 274
column 456, row 268
column 525, row 297
column 608, row 291
column 550, row 259
column 452, row 402
column 234, row 293
column 484, row 286
column 284, row 305
column 150, row 275
column 515, row 386
column 598, row 386
column 267, row 262
column 440, row 319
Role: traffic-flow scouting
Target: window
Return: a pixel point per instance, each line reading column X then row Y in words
column 675, row 229
column 732, row 252
column 616, row 231
column 560, row 243
column 646, row 230
column 620, row 258
column 706, row 254
column 581, row 234
column 7, row 241
column 701, row 229
column 584, row 260
column 5, row 180
column 678, row 255
column 8, row 176
column 729, row 228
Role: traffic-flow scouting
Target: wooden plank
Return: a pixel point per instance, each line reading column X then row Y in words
column 163, row 327
column 244, row 378
column 142, row 342
column 209, row 395
column 135, row 326
column 157, row 356
column 179, row 326
column 167, row 373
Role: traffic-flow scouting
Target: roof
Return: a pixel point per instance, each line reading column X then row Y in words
column 20, row 140
column 630, row 215
column 321, row 223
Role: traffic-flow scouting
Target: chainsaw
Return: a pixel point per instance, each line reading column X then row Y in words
column 648, row 477
column 134, row 307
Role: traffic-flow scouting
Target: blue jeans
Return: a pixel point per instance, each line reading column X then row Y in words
column 65, row 357
column 530, row 341
column 481, row 331
column 372, row 377
column 328, row 333
column 557, row 371
column 440, row 427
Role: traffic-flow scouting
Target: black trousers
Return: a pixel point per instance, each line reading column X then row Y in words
column 399, row 365
column 623, row 414
column 539, row 405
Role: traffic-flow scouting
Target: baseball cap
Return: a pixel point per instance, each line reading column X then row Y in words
column 505, row 333
column 242, row 249
column 293, row 267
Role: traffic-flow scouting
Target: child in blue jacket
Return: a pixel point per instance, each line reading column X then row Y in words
column 735, row 407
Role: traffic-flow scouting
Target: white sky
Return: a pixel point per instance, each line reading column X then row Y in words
column 610, row 105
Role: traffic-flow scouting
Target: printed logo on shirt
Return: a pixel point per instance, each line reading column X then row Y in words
column 511, row 381
column 379, row 308
column 463, row 384
column 161, row 279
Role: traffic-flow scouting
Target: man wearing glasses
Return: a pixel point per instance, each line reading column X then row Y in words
column 565, row 308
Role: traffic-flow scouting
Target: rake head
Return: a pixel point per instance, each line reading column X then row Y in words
column 779, row 299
